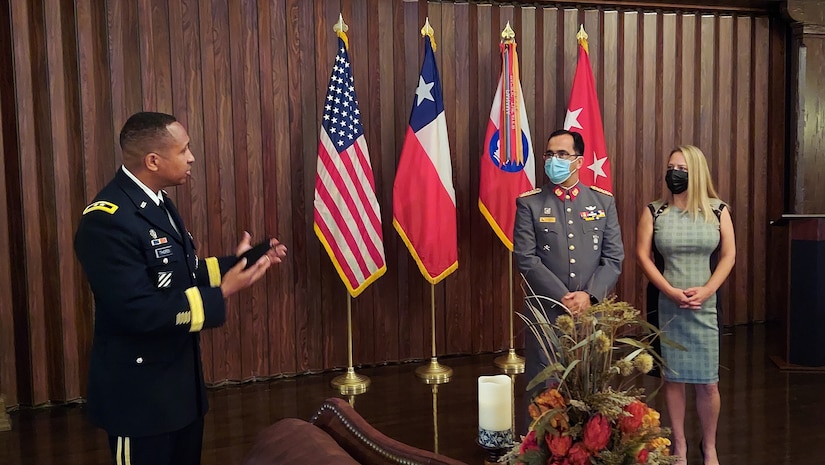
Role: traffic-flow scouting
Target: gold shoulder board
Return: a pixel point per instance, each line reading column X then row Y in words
column 103, row 206
column 529, row 193
column 599, row 189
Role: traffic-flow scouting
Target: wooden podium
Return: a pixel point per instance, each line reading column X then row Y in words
column 805, row 322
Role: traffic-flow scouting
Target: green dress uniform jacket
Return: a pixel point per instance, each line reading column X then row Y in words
column 152, row 297
column 568, row 240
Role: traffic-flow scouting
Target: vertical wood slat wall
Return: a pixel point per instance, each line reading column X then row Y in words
column 247, row 78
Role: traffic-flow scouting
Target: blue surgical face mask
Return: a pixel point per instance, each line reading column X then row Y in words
column 557, row 169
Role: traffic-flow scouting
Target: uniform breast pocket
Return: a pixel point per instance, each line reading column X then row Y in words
column 162, row 263
column 547, row 236
column 594, row 234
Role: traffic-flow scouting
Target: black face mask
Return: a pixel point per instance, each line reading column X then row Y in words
column 677, row 181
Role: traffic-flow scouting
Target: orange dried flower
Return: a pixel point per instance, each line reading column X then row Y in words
column 578, row 455
column 661, row 444
column 529, row 443
column 559, row 445
column 536, row 411
column 597, row 433
column 631, row 423
column 560, row 421
column 551, row 398
column 651, row 418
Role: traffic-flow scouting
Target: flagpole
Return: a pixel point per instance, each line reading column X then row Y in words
column 350, row 384
column 512, row 363
column 435, row 418
column 434, row 372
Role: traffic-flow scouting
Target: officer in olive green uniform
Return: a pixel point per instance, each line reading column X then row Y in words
column 566, row 239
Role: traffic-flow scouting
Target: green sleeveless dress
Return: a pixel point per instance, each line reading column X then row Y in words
column 686, row 246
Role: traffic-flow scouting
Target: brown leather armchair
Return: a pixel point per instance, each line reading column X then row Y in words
column 335, row 434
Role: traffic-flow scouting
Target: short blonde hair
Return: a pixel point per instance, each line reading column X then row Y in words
column 700, row 186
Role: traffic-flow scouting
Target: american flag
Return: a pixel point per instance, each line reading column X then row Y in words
column 347, row 216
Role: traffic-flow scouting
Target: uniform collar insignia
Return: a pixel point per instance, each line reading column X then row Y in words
column 142, row 204
column 561, row 193
column 153, row 234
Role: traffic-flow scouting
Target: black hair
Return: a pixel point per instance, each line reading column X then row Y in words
column 578, row 140
column 144, row 131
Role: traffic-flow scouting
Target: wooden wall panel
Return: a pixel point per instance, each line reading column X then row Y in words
column 66, row 171
column 8, row 149
column 740, row 166
column 759, row 154
column 382, row 104
column 778, row 263
column 28, row 60
column 248, row 78
column 455, row 74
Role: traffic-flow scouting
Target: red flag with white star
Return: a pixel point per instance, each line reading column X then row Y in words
column 584, row 117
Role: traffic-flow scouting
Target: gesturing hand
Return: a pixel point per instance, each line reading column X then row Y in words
column 238, row 278
column 244, row 245
column 276, row 253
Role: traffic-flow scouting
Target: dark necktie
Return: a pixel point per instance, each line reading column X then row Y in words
column 163, row 206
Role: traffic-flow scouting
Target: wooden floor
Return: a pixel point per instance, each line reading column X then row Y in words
column 768, row 416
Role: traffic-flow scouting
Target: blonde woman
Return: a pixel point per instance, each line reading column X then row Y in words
column 686, row 227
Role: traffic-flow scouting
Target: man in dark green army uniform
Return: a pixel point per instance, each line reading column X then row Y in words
column 566, row 239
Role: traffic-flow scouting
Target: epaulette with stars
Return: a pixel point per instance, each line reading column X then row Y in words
column 530, row 192
column 602, row 191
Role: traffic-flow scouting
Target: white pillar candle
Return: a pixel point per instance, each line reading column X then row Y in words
column 494, row 404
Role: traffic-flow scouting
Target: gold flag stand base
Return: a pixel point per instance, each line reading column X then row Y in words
column 434, row 373
column 510, row 364
column 351, row 384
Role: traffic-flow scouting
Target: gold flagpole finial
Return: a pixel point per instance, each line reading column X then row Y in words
column 581, row 37
column 340, row 26
column 428, row 31
column 581, row 34
column 341, row 29
column 508, row 34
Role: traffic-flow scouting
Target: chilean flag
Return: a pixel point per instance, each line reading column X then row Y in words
column 424, row 211
column 507, row 164
column 584, row 117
